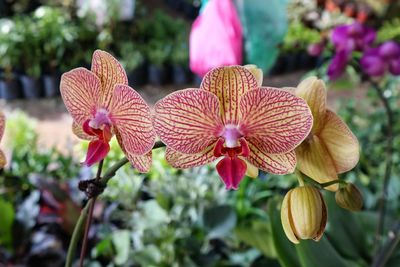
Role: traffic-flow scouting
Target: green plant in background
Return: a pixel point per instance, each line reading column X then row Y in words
column 9, row 52
column 299, row 37
column 131, row 55
column 389, row 31
column 56, row 34
column 180, row 48
column 157, row 52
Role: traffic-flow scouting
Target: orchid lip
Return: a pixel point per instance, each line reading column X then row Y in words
column 100, row 118
column 231, row 134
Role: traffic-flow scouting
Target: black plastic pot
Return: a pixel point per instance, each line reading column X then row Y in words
column 31, row 87
column 197, row 80
column 157, row 74
column 278, row 67
column 10, row 89
column 51, row 85
column 179, row 75
column 175, row 4
column 138, row 76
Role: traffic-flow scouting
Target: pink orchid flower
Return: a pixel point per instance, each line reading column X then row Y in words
column 232, row 118
column 3, row 160
column 102, row 104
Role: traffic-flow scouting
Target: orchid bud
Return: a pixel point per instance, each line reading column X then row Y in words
column 303, row 214
column 349, row 197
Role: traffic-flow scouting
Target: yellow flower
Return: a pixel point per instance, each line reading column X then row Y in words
column 331, row 148
column 303, row 214
column 349, row 197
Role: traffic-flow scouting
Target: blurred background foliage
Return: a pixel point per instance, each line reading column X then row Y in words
column 171, row 217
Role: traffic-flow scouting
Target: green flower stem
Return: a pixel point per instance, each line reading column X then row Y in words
column 388, row 248
column 315, row 183
column 83, row 216
column 389, row 160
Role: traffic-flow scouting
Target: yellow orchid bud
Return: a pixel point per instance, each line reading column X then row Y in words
column 303, row 214
column 349, row 197
column 257, row 72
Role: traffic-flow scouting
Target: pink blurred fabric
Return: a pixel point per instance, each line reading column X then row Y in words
column 215, row 37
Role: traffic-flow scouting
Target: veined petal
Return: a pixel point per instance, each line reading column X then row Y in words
column 142, row 162
column 188, row 120
column 110, row 73
column 77, row 129
column 276, row 120
column 313, row 91
column 131, row 118
column 80, row 91
column 183, row 161
column 257, row 72
column 2, row 124
column 314, row 161
column 3, row 160
column 229, row 84
column 340, row 142
column 273, row 163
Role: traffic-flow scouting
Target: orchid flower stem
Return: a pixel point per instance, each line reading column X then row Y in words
column 389, row 161
column 89, row 218
column 388, row 248
column 315, row 183
column 90, row 205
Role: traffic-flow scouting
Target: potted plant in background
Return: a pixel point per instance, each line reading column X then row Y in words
column 133, row 61
column 157, row 54
column 29, row 45
column 58, row 34
column 9, row 55
column 179, row 57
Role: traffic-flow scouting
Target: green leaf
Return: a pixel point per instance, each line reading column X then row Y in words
column 121, row 241
column 219, row 220
column 258, row 235
column 285, row 250
column 7, row 215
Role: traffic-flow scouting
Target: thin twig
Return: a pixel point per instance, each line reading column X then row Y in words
column 388, row 248
column 389, row 161
column 79, row 225
column 90, row 217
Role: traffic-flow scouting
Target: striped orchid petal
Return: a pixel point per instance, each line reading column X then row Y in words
column 131, row 118
column 273, row 163
column 142, row 162
column 3, row 160
column 183, row 161
column 340, row 142
column 80, row 90
column 110, row 73
column 79, row 132
column 276, row 120
column 188, row 120
column 314, row 161
column 229, row 84
column 313, row 91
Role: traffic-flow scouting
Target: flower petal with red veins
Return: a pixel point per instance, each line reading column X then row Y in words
column 110, row 73
column 97, row 151
column 77, row 129
column 142, row 162
column 314, row 161
column 273, row 163
column 131, row 118
column 276, row 120
column 229, row 84
column 188, row 120
column 313, row 91
column 3, row 160
column 232, row 171
column 183, row 161
column 340, row 142
column 2, row 124
column 80, row 91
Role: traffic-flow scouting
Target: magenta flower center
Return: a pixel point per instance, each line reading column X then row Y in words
column 100, row 119
column 231, row 135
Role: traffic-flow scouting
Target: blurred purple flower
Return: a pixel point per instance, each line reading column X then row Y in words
column 315, row 49
column 338, row 64
column 386, row 57
column 352, row 37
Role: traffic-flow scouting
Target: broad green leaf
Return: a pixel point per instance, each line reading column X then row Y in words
column 7, row 215
column 285, row 250
column 259, row 236
column 219, row 220
column 121, row 241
